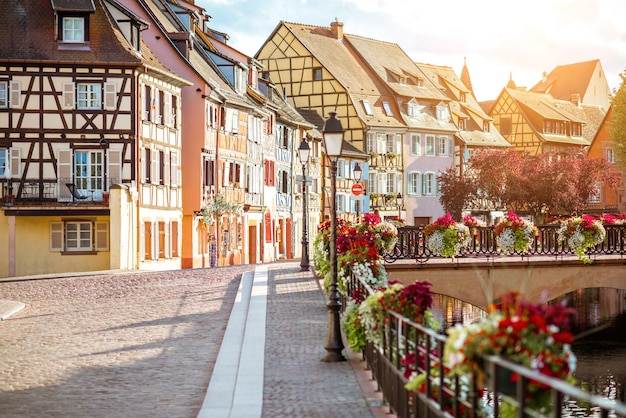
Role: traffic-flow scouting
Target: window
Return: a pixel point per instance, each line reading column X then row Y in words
column 88, row 96
column 443, row 147
column 3, row 162
column 89, row 171
column 610, row 156
column 367, row 107
column 416, row 146
column 462, row 97
column 340, row 203
column 73, row 29
column 428, row 184
column 387, row 109
column 443, row 113
column 370, row 143
column 147, row 103
column 462, row 124
column 430, row 145
column 391, row 182
column 413, row 109
column 317, row 74
column 413, row 183
column 79, row 236
column 485, row 126
column 3, row 94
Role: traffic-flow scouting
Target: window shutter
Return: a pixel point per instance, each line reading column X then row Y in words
column 16, row 162
column 114, row 173
column 110, row 90
column 226, row 173
column 142, row 242
column 155, row 240
column 56, row 236
column 167, row 178
column 64, row 168
column 16, row 94
column 168, row 109
column 68, row 96
column 235, row 122
column 102, row 236
column 168, row 246
column 175, row 179
column 154, row 167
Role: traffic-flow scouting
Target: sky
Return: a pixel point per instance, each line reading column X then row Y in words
column 499, row 39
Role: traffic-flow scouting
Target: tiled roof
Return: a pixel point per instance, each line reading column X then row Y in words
column 389, row 60
column 337, row 58
column 566, row 80
column 73, row 5
column 27, row 32
column 547, row 107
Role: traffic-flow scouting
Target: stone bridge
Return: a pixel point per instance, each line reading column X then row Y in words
column 479, row 280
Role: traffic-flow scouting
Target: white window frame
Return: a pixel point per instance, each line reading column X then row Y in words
column 367, row 107
column 4, row 94
column 443, row 145
column 430, row 145
column 610, row 155
column 89, row 96
column 428, row 184
column 73, row 34
column 78, row 236
column 416, row 144
column 89, row 172
column 413, row 109
column 4, row 161
column 414, row 184
column 387, row 109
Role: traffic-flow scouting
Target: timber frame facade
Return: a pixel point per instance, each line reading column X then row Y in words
column 78, row 188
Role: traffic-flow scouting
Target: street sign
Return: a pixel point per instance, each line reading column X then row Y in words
column 357, row 189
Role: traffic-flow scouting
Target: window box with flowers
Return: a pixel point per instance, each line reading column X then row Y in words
column 536, row 336
column 446, row 237
column 515, row 234
column 581, row 233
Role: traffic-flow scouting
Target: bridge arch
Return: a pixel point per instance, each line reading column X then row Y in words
column 480, row 281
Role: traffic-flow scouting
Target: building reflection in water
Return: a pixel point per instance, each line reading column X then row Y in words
column 599, row 328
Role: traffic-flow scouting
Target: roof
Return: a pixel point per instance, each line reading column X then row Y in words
column 27, row 32
column 347, row 70
column 547, row 107
column 85, row 6
column 567, row 80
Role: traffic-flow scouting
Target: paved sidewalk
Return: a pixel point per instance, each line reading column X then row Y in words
column 268, row 365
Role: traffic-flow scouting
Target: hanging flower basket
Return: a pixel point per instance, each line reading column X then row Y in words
column 446, row 237
column 581, row 233
column 515, row 234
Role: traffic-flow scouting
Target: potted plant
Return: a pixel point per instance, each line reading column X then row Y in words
column 446, row 237
column 515, row 234
column 581, row 233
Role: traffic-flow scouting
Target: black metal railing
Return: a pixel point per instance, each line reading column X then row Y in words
column 442, row 395
column 411, row 243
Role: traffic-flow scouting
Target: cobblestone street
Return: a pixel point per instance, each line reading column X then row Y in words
column 101, row 346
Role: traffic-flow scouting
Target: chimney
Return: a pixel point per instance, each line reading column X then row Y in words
column 575, row 98
column 336, row 28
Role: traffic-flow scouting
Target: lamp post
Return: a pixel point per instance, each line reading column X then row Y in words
column 399, row 203
column 357, row 173
column 303, row 154
column 333, row 142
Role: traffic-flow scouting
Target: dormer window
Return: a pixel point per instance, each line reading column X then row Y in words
column 73, row 21
column 413, row 108
column 462, row 97
column 443, row 113
column 387, row 109
column 73, row 29
column 367, row 107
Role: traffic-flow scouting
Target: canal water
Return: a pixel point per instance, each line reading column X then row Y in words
column 599, row 328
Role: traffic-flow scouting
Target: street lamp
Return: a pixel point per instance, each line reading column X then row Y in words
column 357, row 173
column 303, row 153
column 399, row 203
column 333, row 142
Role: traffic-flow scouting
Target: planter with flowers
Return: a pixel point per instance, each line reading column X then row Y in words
column 581, row 233
column 446, row 237
column 536, row 336
column 515, row 234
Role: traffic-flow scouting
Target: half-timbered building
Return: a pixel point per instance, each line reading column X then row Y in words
column 537, row 123
column 318, row 70
column 90, row 141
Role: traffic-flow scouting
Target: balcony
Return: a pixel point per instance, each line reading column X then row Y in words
column 52, row 193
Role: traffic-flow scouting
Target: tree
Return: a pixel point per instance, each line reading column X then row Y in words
column 534, row 184
column 617, row 127
column 214, row 212
column 457, row 192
